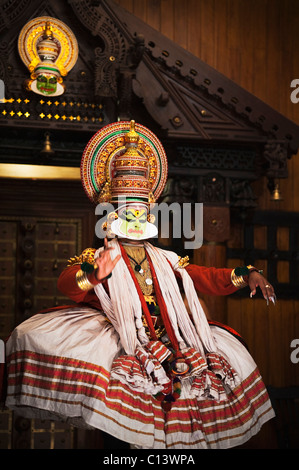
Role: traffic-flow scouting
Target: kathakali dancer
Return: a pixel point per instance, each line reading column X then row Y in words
column 130, row 358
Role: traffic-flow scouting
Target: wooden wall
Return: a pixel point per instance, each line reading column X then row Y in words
column 254, row 43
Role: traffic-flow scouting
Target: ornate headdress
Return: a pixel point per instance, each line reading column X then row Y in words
column 124, row 160
column 49, row 50
column 124, row 163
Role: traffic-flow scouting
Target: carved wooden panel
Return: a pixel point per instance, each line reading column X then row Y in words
column 8, row 282
column 270, row 240
column 35, row 244
column 216, row 223
column 34, row 251
column 128, row 70
column 6, row 419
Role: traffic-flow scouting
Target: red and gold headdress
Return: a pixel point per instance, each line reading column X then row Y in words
column 124, row 161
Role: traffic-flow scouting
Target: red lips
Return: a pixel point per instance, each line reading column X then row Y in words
column 131, row 230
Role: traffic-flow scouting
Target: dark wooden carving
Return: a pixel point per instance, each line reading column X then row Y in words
column 218, row 137
column 181, row 94
column 216, row 224
column 276, row 154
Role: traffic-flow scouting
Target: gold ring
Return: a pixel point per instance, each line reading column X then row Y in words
column 267, row 286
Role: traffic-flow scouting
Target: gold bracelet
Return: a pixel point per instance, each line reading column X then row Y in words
column 83, row 281
column 238, row 281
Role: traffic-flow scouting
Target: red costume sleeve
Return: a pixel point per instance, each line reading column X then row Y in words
column 68, row 286
column 211, row 281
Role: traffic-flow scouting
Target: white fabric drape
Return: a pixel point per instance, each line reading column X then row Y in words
column 123, row 307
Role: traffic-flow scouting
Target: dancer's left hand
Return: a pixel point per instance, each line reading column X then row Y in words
column 256, row 280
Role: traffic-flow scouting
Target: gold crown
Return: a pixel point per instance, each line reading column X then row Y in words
column 131, row 180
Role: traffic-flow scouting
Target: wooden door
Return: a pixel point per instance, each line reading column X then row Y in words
column 42, row 225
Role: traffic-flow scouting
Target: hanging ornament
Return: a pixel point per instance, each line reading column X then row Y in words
column 49, row 50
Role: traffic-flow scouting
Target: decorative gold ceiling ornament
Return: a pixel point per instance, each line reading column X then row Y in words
column 49, row 50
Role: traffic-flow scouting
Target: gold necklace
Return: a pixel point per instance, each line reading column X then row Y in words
column 137, row 258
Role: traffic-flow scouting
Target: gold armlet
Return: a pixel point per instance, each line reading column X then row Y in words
column 183, row 262
column 237, row 280
column 237, row 275
column 87, row 256
column 83, row 281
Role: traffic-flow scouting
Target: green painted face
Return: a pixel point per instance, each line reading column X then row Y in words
column 46, row 84
column 133, row 222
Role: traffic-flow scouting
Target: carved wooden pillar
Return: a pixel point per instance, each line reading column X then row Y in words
column 216, row 229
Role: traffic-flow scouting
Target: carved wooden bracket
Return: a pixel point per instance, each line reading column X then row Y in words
column 276, row 155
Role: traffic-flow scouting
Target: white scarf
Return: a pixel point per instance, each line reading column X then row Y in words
column 123, row 307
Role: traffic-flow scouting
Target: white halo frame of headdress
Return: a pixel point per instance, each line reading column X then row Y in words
column 97, row 163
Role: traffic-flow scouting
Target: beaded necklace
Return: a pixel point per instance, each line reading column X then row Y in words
column 138, row 266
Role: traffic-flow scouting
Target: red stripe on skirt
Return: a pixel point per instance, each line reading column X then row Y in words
column 65, row 361
column 209, row 415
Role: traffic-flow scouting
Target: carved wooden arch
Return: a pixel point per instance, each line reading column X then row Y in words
column 219, row 138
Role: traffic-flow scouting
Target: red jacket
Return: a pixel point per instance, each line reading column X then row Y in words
column 211, row 281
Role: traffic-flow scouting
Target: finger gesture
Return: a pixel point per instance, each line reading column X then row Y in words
column 257, row 280
column 104, row 263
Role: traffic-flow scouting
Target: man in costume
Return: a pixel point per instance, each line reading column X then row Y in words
column 129, row 358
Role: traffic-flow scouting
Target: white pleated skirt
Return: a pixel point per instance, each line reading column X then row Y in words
column 59, row 367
